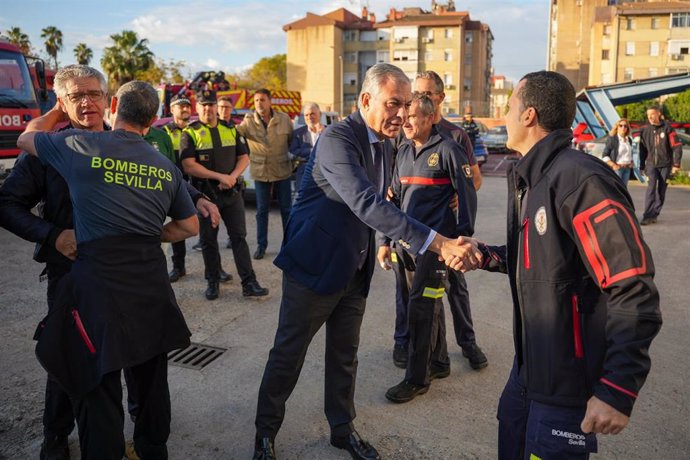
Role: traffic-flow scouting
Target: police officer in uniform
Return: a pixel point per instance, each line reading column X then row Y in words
column 215, row 155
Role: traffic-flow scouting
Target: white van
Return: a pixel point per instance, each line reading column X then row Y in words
column 327, row 118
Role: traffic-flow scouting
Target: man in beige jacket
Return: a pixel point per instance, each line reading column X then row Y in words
column 269, row 134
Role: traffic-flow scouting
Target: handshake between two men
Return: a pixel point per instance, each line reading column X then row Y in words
column 460, row 254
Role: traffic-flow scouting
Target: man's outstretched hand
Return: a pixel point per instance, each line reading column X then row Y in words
column 461, row 254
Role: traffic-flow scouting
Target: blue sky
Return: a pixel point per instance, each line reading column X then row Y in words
column 233, row 35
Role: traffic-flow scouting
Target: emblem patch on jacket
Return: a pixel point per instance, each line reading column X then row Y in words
column 540, row 220
column 467, row 170
column 432, row 160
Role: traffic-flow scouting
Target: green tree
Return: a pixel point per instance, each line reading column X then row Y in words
column 19, row 38
column 83, row 54
column 268, row 72
column 126, row 57
column 160, row 71
column 53, row 42
column 637, row 111
column 677, row 108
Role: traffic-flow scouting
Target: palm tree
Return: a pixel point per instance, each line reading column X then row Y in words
column 83, row 53
column 126, row 57
column 19, row 38
column 53, row 42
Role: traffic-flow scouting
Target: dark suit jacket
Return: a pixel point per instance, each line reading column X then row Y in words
column 300, row 146
column 334, row 219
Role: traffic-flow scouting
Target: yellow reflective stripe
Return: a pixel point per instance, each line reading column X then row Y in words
column 433, row 293
column 394, row 258
column 534, row 457
column 201, row 136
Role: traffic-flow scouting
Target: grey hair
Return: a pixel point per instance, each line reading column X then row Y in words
column 426, row 106
column 310, row 105
column 377, row 76
column 137, row 103
column 431, row 75
column 70, row 72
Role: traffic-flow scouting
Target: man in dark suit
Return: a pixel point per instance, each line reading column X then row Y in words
column 303, row 140
column 328, row 258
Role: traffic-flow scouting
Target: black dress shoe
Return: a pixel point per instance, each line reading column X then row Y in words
column 438, row 372
column 212, row 290
column 176, row 273
column 263, row 449
column 260, row 253
column 400, row 356
column 224, row 277
column 356, row 446
column 54, row 448
column 405, row 391
column 475, row 356
column 253, row 289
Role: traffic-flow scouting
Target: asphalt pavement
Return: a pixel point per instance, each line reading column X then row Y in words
column 213, row 408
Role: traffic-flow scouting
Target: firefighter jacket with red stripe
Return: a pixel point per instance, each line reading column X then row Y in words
column 659, row 146
column 425, row 180
column 581, row 276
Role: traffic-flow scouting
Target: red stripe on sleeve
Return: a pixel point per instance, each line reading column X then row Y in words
column 621, row 389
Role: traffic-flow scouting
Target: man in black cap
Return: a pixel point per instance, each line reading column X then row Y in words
column 215, row 156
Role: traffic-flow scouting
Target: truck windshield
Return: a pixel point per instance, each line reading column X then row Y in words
column 16, row 88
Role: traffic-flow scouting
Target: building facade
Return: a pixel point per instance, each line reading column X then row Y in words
column 328, row 55
column 589, row 41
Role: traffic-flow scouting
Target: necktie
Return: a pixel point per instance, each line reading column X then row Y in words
column 378, row 165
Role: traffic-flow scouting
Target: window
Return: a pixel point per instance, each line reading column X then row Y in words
column 653, row 48
column 604, row 55
column 430, row 34
column 680, row 19
column 448, row 79
column 607, row 29
column 367, row 36
column 468, row 59
column 630, row 48
column 405, row 55
column 447, row 56
column 655, row 23
column 448, row 33
column 351, row 57
column 350, row 35
column 468, row 37
column 629, row 24
column 467, row 85
column 383, row 56
column 684, row 50
column 628, row 73
column 653, row 72
column 428, row 56
column 350, row 78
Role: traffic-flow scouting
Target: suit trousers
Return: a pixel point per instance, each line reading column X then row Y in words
column 302, row 313
column 231, row 207
column 100, row 416
column 179, row 250
column 656, row 191
column 426, row 323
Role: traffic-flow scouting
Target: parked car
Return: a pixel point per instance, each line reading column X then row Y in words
column 495, row 139
column 480, row 151
column 327, row 118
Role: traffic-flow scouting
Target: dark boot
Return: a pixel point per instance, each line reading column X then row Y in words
column 176, row 273
column 212, row 290
column 253, row 289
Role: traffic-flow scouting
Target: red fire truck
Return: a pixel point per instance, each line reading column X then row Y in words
column 289, row 102
column 19, row 100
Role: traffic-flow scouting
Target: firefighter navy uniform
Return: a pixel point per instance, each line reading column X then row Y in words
column 424, row 180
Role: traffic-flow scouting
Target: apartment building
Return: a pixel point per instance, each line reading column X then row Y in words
column 501, row 88
column 328, row 55
column 639, row 40
column 585, row 34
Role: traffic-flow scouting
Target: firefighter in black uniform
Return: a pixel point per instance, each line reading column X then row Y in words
column 586, row 308
column 430, row 169
column 214, row 154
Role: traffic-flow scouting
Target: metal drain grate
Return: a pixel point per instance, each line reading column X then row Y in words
column 195, row 356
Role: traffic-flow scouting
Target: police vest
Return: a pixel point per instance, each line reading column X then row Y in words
column 175, row 134
column 219, row 158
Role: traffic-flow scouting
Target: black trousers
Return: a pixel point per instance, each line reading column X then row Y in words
column 656, row 191
column 231, row 207
column 459, row 304
column 58, row 417
column 100, row 416
column 179, row 250
column 302, row 313
column 426, row 321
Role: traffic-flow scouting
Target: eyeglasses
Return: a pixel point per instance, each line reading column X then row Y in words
column 623, row 125
column 93, row 96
